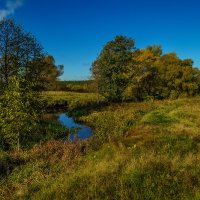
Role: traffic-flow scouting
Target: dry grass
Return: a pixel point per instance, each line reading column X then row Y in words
column 148, row 150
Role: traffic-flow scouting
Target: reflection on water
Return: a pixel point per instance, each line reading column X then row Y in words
column 77, row 131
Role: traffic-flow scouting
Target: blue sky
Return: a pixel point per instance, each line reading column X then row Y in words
column 75, row 31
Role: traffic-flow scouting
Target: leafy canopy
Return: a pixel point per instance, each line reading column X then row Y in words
column 111, row 66
column 123, row 73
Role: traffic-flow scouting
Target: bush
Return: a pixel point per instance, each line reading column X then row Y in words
column 19, row 112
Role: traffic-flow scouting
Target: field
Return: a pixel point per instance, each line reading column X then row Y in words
column 147, row 150
column 71, row 100
column 77, row 86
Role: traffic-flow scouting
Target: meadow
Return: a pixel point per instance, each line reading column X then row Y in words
column 144, row 150
column 85, row 86
column 71, row 100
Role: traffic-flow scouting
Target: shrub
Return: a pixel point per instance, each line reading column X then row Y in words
column 19, row 112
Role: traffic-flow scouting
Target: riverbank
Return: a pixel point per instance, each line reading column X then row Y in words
column 72, row 101
column 148, row 150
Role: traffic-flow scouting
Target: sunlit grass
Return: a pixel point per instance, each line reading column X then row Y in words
column 148, row 150
column 72, row 100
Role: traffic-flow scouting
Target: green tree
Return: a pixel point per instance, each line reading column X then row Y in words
column 123, row 73
column 143, row 73
column 44, row 72
column 110, row 68
column 22, row 55
column 17, row 49
column 176, row 77
column 19, row 112
column 157, row 76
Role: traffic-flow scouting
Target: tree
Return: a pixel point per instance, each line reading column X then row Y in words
column 143, row 73
column 110, row 68
column 44, row 72
column 123, row 73
column 17, row 49
column 19, row 112
column 176, row 77
column 22, row 55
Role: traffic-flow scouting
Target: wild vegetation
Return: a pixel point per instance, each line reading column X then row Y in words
column 71, row 101
column 22, row 55
column 147, row 150
column 143, row 107
column 85, row 86
column 123, row 72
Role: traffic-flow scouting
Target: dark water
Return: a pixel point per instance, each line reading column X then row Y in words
column 77, row 131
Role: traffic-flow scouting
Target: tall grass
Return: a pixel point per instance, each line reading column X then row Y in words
column 72, row 100
column 148, row 150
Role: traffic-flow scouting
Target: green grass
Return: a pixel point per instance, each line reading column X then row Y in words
column 77, row 86
column 148, row 150
column 72, row 100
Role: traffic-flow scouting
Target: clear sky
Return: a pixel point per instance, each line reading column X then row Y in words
column 75, row 31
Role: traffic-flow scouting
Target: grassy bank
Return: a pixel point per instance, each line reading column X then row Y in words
column 148, row 150
column 72, row 100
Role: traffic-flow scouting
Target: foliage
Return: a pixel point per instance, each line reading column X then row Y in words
column 177, row 77
column 22, row 55
column 110, row 68
column 46, row 77
column 17, row 49
column 143, row 74
column 110, row 124
column 144, row 150
column 142, row 157
column 85, row 86
column 19, row 112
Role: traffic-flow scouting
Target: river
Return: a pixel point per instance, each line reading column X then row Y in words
column 77, row 131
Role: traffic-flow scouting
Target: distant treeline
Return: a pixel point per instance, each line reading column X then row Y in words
column 123, row 72
column 84, row 86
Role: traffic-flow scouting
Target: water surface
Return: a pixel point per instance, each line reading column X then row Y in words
column 77, row 130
